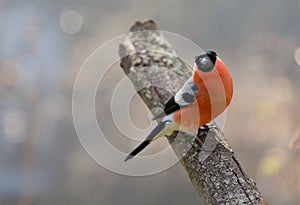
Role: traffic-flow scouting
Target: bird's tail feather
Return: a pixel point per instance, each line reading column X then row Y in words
column 152, row 136
column 159, row 116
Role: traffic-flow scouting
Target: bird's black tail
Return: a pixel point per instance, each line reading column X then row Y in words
column 147, row 141
column 137, row 150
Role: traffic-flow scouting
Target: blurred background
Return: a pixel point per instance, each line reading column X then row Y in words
column 42, row 47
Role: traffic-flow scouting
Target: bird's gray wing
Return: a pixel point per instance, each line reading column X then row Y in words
column 184, row 97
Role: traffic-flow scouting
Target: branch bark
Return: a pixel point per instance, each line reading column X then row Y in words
column 210, row 162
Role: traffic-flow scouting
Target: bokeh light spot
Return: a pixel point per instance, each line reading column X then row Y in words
column 297, row 56
column 265, row 110
column 271, row 163
column 14, row 126
column 71, row 22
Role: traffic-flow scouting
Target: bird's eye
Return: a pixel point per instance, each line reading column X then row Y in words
column 204, row 64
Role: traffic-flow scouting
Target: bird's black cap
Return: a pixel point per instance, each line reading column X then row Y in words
column 206, row 60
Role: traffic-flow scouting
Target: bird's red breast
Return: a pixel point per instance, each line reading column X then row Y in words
column 215, row 94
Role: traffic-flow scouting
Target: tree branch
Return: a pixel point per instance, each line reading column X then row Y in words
column 210, row 162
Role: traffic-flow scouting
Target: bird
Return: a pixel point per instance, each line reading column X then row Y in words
column 203, row 97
